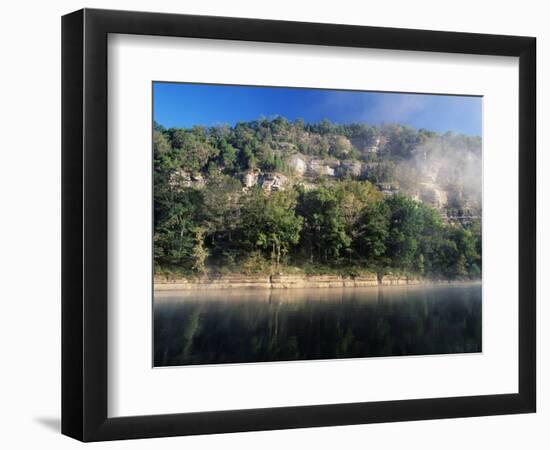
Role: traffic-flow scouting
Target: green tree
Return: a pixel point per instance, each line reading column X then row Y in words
column 199, row 253
column 466, row 258
column 405, row 227
column 220, row 214
column 430, row 238
column 269, row 222
column 373, row 232
column 192, row 151
column 175, row 222
column 247, row 158
column 161, row 144
column 228, row 156
column 354, row 197
column 324, row 224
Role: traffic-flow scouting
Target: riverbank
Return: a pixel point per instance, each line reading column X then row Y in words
column 290, row 282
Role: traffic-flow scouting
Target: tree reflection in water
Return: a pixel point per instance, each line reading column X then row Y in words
column 212, row 327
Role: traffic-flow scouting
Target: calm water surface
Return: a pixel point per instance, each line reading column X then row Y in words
column 238, row 326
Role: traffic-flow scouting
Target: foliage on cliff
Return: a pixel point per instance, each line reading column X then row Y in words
column 344, row 221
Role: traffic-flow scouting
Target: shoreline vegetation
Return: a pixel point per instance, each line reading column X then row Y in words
column 281, row 281
column 280, row 204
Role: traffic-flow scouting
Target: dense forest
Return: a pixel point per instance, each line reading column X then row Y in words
column 272, row 196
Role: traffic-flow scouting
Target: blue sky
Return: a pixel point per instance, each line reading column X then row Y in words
column 185, row 105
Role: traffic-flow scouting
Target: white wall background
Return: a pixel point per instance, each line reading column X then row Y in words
column 30, row 222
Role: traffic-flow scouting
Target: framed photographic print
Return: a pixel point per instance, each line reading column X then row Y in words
column 274, row 224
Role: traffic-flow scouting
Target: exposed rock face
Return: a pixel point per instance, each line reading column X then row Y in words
column 352, row 168
column 431, row 193
column 273, row 182
column 373, row 148
column 250, row 178
column 223, row 282
column 181, row 179
column 317, row 167
column 302, row 166
column 297, row 281
column 298, row 164
column 366, row 280
column 368, row 145
column 388, row 188
column 282, row 281
column 330, row 171
column 198, row 179
column 393, row 280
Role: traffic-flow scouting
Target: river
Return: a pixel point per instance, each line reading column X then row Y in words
column 257, row 325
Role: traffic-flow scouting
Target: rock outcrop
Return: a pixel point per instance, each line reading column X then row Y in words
column 282, row 281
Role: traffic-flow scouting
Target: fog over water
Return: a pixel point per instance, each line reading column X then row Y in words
column 242, row 326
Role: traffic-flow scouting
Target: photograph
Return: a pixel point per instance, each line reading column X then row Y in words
column 314, row 224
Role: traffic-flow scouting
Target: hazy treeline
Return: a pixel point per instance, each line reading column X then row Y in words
column 344, row 224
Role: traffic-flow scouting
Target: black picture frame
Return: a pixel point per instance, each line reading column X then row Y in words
column 84, row 224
